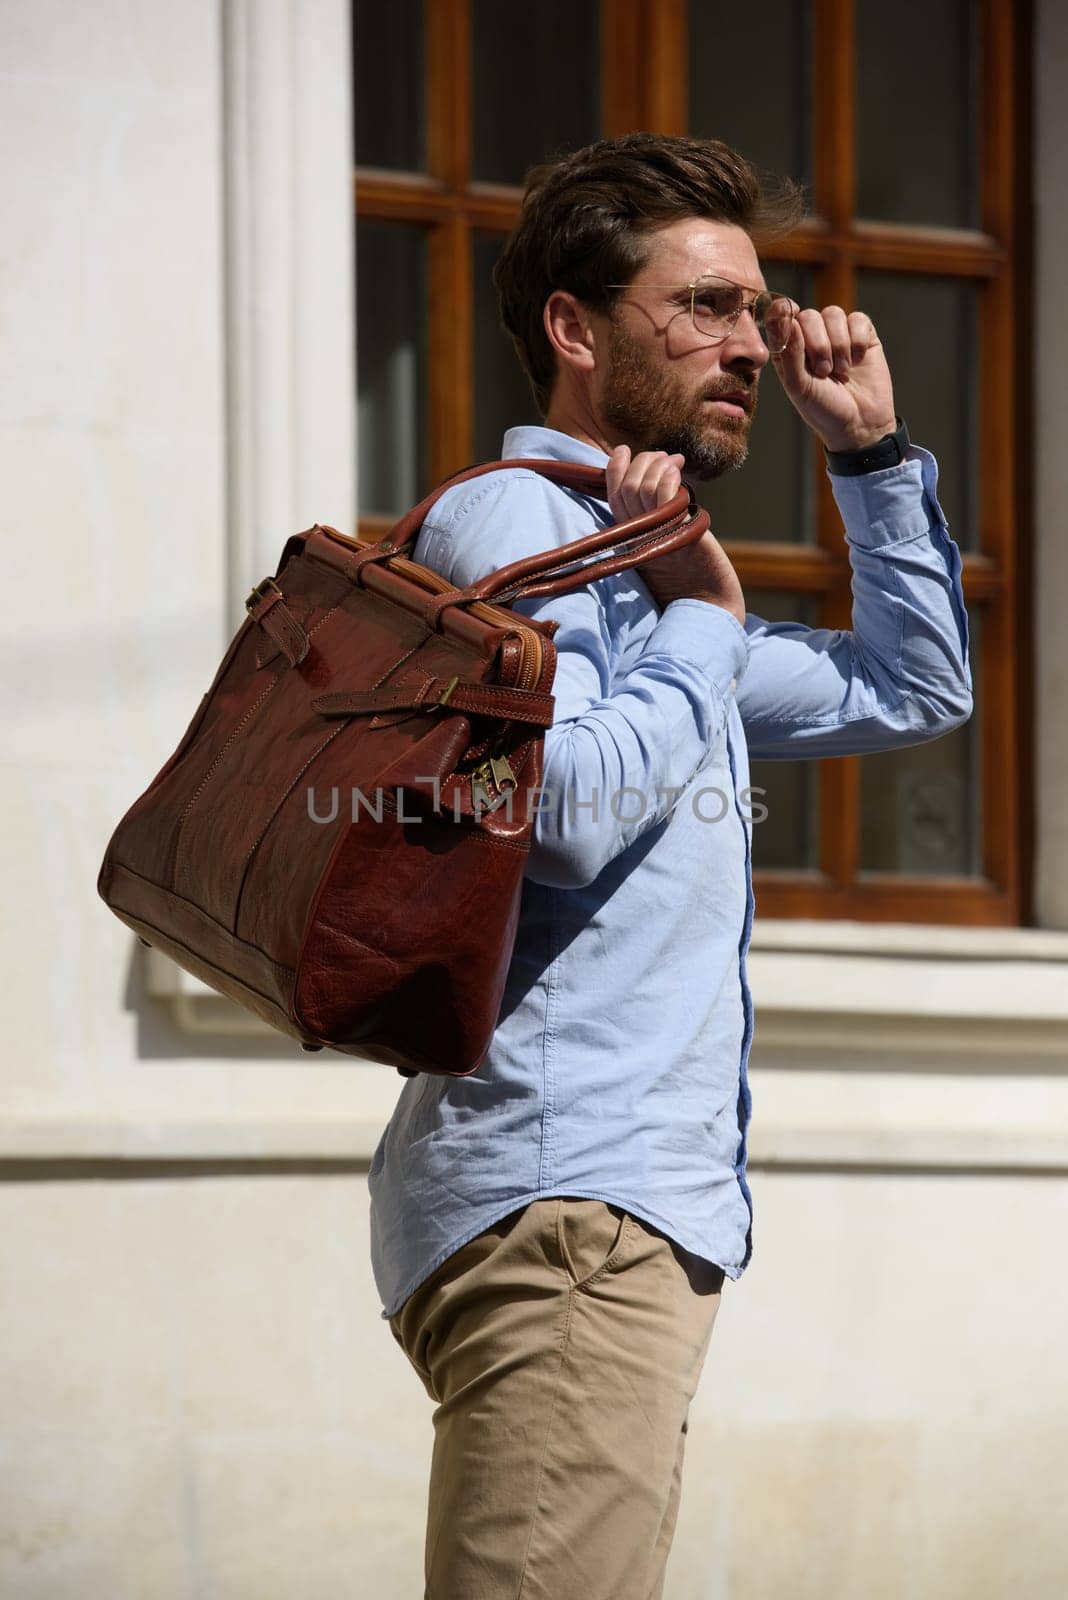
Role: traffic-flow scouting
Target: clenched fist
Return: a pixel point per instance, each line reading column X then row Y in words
column 700, row 571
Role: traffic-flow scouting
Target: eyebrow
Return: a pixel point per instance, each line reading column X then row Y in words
column 683, row 288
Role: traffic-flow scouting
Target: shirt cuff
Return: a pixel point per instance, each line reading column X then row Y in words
column 705, row 635
column 889, row 506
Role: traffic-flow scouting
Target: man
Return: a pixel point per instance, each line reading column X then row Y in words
column 550, row 1235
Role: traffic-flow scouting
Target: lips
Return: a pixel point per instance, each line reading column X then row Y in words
column 736, row 398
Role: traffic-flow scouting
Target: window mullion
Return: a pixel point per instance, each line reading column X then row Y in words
column 450, row 406
column 1003, row 391
column 833, row 92
column 834, row 183
column 620, row 67
column 663, row 83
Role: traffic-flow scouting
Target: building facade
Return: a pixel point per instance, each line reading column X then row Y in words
column 199, row 1396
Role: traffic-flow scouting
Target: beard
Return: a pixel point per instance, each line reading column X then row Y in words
column 642, row 401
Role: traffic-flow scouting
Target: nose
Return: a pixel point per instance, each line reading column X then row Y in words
column 744, row 340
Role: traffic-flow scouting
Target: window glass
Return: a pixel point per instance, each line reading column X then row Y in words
column 536, row 83
column 389, row 101
column 921, row 807
column 918, row 113
column 928, row 328
column 391, row 372
column 503, row 398
column 787, row 837
column 750, row 82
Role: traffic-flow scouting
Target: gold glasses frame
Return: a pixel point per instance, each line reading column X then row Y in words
column 759, row 306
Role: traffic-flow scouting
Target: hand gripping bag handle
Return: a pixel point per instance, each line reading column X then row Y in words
column 680, row 521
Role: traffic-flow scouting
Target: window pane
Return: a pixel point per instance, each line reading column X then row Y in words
column 388, row 73
column 921, row 808
column 772, row 495
column 929, row 331
column 391, row 365
column 503, row 398
column 536, row 83
column 787, row 837
column 750, row 82
column 918, row 113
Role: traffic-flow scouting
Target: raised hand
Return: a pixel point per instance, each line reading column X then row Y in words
column 835, row 375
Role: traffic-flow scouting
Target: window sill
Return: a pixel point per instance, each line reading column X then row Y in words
column 820, row 985
column 906, row 989
column 877, row 1047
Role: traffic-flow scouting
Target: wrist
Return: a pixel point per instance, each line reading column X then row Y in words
column 879, row 451
column 839, row 442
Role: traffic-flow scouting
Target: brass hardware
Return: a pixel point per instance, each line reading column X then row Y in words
column 491, row 770
column 501, row 768
column 449, row 687
column 260, row 592
column 481, row 777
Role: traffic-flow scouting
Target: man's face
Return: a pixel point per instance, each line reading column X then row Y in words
column 659, row 384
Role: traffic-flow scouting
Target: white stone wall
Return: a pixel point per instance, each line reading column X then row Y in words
column 199, row 1397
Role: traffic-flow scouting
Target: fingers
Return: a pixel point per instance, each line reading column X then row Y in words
column 650, row 479
column 827, row 343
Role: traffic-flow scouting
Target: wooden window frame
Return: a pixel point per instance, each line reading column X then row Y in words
column 644, row 86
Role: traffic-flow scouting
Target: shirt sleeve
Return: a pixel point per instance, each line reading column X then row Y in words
column 622, row 746
column 902, row 675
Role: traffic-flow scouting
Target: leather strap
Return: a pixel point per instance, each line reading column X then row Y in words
column 266, row 605
column 484, row 699
column 888, row 451
column 681, row 520
column 561, row 568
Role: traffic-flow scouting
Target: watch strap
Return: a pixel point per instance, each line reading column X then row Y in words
column 885, row 452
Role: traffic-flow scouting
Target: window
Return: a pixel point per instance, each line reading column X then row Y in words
column 921, row 220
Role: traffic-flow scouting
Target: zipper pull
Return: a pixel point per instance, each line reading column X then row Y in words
column 481, row 778
column 489, row 780
column 501, row 768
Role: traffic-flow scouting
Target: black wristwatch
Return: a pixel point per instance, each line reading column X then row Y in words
column 885, row 452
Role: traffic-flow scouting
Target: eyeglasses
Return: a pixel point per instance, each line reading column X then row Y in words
column 717, row 303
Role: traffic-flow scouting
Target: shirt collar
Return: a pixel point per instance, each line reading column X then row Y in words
column 551, row 445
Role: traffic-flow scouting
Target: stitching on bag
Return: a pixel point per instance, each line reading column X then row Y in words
column 199, row 911
column 179, row 867
column 178, row 863
column 496, row 840
column 339, row 605
column 270, row 820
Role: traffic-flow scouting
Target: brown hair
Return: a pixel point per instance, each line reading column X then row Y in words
column 585, row 219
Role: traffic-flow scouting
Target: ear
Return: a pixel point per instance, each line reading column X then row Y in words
column 569, row 330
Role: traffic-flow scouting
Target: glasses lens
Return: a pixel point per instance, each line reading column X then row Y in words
column 775, row 317
column 717, row 305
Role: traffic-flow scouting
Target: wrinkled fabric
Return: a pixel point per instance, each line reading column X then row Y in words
column 618, row 1069
column 562, row 1349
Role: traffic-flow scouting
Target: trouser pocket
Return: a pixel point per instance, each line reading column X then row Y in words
column 591, row 1235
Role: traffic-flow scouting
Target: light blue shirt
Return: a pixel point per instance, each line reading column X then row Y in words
column 617, row 1070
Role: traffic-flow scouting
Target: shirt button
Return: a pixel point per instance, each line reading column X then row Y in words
column 734, row 684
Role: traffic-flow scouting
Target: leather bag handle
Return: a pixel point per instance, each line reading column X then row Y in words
column 680, row 521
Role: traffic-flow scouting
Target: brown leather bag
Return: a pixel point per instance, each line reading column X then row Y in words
column 338, row 842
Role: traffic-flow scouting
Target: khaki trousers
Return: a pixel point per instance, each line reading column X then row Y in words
column 562, row 1347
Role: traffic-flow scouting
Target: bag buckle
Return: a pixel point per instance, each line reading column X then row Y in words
column 263, row 591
